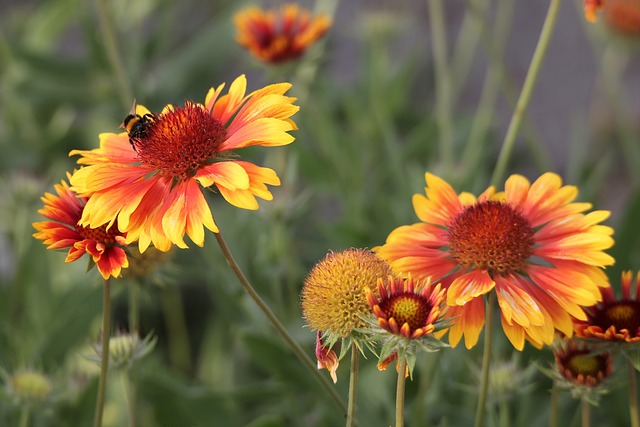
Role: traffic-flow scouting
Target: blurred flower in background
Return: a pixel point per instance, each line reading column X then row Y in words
column 103, row 243
column 591, row 7
column 150, row 184
column 623, row 16
column 530, row 243
column 279, row 36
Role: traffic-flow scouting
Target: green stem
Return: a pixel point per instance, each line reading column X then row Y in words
column 402, row 376
column 554, row 405
column 177, row 331
column 353, row 385
column 113, row 53
column 130, row 394
column 633, row 396
column 24, row 416
column 525, row 94
column 442, row 83
column 585, row 412
column 104, row 357
column 134, row 309
column 504, row 413
column 277, row 325
column 486, row 362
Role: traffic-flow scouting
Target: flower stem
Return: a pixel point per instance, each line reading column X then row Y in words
column 353, row 385
column 178, row 342
column 443, row 87
column 104, row 357
column 134, row 309
column 113, row 53
column 130, row 394
column 525, row 94
column 24, row 416
column 633, row 396
column 553, row 410
column 486, row 362
column 585, row 413
column 402, row 376
column 277, row 325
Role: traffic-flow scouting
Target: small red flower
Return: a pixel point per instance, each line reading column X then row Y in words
column 63, row 231
column 279, row 36
column 614, row 319
column 581, row 365
column 405, row 308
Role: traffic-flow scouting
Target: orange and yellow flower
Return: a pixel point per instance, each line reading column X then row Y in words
column 63, row 231
column 614, row 319
column 405, row 308
column 581, row 365
column 623, row 16
column 150, row 184
column 591, row 7
column 531, row 244
column 278, row 36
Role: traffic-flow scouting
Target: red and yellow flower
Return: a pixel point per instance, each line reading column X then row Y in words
column 278, row 36
column 614, row 319
column 581, row 365
column 623, row 16
column 63, row 231
column 591, row 7
column 151, row 185
column 531, row 244
column 405, row 308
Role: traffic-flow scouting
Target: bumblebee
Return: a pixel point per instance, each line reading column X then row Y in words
column 137, row 126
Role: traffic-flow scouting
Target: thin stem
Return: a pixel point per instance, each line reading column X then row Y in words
column 104, row 357
column 402, row 376
column 585, row 412
column 504, row 413
column 130, row 394
column 177, row 332
column 134, row 309
column 486, row 362
column 633, row 396
column 277, row 325
column 553, row 410
column 525, row 94
column 442, row 83
column 113, row 53
column 25, row 412
column 353, row 385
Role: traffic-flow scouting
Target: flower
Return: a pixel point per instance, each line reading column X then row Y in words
column 327, row 358
column 591, row 7
column 150, row 183
column 334, row 301
column 279, row 36
column 125, row 349
column 531, row 244
column 29, row 387
column 614, row 319
column 103, row 243
column 623, row 16
column 581, row 369
column 406, row 309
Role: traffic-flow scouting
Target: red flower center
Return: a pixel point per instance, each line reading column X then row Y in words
column 99, row 234
column 407, row 308
column 491, row 235
column 180, row 142
column 622, row 315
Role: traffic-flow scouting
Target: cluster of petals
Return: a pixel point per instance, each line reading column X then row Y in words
column 64, row 210
column 152, row 189
column 532, row 244
column 406, row 308
column 279, row 35
column 614, row 319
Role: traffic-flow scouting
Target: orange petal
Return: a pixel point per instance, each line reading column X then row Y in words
column 468, row 286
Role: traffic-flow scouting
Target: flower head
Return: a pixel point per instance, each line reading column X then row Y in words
column 29, row 387
column 334, row 301
column 623, row 16
column 530, row 244
column 149, row 182
column 278, row 36
column 614, row 319
column 125, row 349
column 591, row 7
column 582, row 369
column 405, row 308
column 103, row 243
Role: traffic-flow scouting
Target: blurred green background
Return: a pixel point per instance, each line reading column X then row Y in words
column 369, row 129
